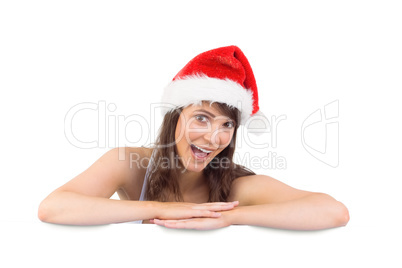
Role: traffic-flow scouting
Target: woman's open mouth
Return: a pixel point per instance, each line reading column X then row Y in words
column 199, row 153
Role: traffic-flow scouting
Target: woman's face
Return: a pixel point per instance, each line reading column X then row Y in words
column 204, row 127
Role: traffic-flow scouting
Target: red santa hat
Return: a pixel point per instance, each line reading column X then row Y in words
column 219, row 75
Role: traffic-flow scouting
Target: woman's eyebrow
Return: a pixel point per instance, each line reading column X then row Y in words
column 205, row 111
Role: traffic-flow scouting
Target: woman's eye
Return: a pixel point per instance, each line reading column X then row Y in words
column 229, row 124
column 203, row 119
column 200, row 116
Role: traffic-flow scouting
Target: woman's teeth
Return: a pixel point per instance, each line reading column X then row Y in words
column 202, row 150
column 199, row 153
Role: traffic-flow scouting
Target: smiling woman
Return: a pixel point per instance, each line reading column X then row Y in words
column 205, row 142
column 198, row 186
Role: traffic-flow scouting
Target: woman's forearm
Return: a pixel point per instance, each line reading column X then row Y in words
column 72, row 208
column 316, row 211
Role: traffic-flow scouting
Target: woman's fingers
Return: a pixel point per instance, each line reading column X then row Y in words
column 221, row 203
column 197, row 223
column 217, row 206
column 206, row 213
column 211, row 210
column 182, row 224
column 178, row 210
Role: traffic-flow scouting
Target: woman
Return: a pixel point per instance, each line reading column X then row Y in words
column 189, row 179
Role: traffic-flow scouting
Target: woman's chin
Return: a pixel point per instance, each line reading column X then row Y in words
column 196, row 166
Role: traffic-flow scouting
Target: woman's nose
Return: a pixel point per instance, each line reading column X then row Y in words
column 213, row 136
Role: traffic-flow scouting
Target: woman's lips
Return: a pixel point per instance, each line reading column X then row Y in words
column 197, row 154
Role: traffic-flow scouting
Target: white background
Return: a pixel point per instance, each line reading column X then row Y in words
column 305, row 55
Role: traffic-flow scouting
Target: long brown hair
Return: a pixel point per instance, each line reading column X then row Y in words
column 163, row 181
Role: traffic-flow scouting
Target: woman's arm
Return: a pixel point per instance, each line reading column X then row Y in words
column 85, row 199
column 76, row 209
column 64, row 207
column 312, row 212
column 267, row 202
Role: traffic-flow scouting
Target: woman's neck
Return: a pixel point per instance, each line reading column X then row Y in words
column 190, row 181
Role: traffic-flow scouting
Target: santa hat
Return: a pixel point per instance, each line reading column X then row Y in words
column 219, row 75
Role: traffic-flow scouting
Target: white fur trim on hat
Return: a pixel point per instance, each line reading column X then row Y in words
column 196, row 88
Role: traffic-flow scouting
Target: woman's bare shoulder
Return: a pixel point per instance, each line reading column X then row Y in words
column 136, row 159
column 147, row 151
column 262, row 189
column 115, row 169
column 241, row 189
column 133, row 155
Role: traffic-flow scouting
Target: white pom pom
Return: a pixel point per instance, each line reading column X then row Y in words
column 258, row 124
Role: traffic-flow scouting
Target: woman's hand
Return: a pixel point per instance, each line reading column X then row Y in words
column 186, row 211
column 194, row 223
column 199, row 223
